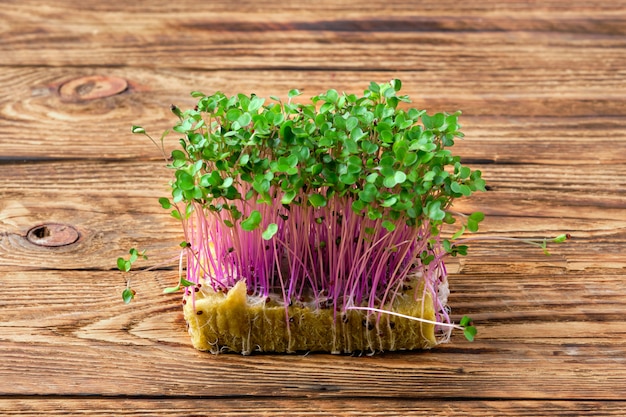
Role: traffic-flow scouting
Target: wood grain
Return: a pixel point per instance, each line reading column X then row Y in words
column 303, row 407
column 328, row 37
column 541, row 87
column 105, row 345
column 547, row 124
column 113, row 205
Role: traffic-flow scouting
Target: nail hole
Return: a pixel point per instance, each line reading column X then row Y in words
column 41, row 232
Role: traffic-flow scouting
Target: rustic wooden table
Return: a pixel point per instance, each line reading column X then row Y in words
column 543, row 91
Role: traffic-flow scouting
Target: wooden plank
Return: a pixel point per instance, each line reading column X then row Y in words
column 114, row 207
column 275, row 36
column 172, row 407
column 71, row 328
column 541, row 87
column 541, row 316
column 508, row 118
column 545, row 306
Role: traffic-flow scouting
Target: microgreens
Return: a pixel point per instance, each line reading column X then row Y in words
column 125, row 265
column 340, row 200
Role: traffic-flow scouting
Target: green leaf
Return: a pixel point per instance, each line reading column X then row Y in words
column 464, row 189
column 213, row 179
column 138, row 130
column 465, row 321
column 458, row 233
column 128, row 294
column 255, row 104
column 390, row 181
column 357, row 206
column 293, row 93
column 244, row 120
column 477, row 216
column 469, row 331
column 185, row 181
column 317, row 200
column 178, row 155
column 165, row 202
column 434, row 211
column 123, row 265
column 368, row 193
column 170, row 290
column 186, row 283
column 399, row 177
column 473, row 220
column 176, row 111
column 351, row 123
column 288, row 197
column 388, row 225
column 252, row 222
column 348, row 179
column 368, row 147
column 561, row 238
column 461, row 249
column 388, row 202
column 133, row 255
column 270, row 231
column 233, row 114
column 332, row 96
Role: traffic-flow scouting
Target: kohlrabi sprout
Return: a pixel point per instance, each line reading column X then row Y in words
column 337, row 203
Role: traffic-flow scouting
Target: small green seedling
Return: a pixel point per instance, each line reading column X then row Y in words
column 125, row 265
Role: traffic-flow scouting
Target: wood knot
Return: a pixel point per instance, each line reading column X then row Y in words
column 92, row 87
column 53, row 235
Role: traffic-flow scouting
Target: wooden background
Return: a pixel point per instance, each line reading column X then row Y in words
column 543, row 89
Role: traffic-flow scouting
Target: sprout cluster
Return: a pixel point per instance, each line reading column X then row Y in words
column 337, row 201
